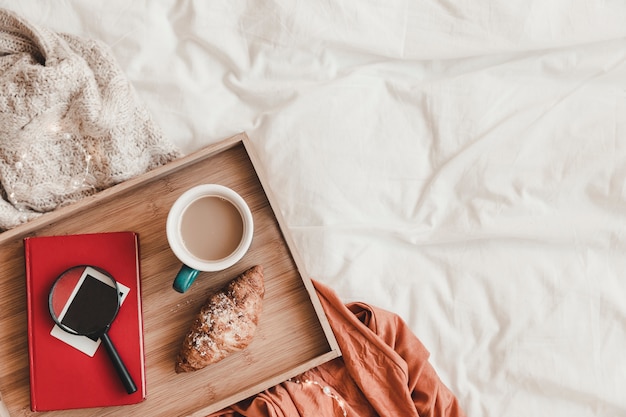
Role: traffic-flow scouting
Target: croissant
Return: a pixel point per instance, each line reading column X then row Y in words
column 225, row 324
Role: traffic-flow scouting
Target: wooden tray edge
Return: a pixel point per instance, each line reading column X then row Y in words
column 260, row 171
column 219, row 405
column 156, row 173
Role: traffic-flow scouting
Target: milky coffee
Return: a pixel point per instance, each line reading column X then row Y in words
column 211, row 228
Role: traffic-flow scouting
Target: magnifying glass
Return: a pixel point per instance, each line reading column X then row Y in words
column 84, row 301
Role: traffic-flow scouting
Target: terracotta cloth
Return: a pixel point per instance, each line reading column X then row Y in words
column 384, row 371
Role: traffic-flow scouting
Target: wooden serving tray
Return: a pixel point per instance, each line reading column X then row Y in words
column 293, row 334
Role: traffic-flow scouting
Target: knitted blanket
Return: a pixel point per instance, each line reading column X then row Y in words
column 71, row 123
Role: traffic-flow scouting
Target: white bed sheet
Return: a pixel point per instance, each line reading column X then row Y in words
column 463, row 165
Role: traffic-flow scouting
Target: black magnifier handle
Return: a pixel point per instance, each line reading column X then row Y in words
column 127, row 380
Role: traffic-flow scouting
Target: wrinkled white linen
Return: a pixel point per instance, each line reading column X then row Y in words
column 462, row 165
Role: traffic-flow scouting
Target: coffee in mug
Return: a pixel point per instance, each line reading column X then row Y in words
column 211, row 236
column 209, row 228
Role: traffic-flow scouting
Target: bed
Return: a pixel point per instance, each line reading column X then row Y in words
column 461, row 164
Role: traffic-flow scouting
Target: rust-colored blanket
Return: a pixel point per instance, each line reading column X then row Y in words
column 384, row 371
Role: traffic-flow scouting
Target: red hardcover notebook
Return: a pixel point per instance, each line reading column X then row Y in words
column 69, row 371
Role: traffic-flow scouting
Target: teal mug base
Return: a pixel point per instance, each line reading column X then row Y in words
column 184, row 278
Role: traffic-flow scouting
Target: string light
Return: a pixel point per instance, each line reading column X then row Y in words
column 326, row 390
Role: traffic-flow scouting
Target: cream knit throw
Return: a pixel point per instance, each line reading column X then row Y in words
column 70, row 122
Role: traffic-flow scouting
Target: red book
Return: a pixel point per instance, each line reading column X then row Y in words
column 69, row 371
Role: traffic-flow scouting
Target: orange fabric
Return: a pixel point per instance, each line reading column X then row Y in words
column 384, row 371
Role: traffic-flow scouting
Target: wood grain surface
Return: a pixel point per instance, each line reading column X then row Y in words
column 293, row 334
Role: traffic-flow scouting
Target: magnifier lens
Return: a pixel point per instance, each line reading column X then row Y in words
column 84, row 300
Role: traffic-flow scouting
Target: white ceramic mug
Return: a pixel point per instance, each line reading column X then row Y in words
column 209, row 228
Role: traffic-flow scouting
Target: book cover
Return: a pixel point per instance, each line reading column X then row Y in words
column 69, row 371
